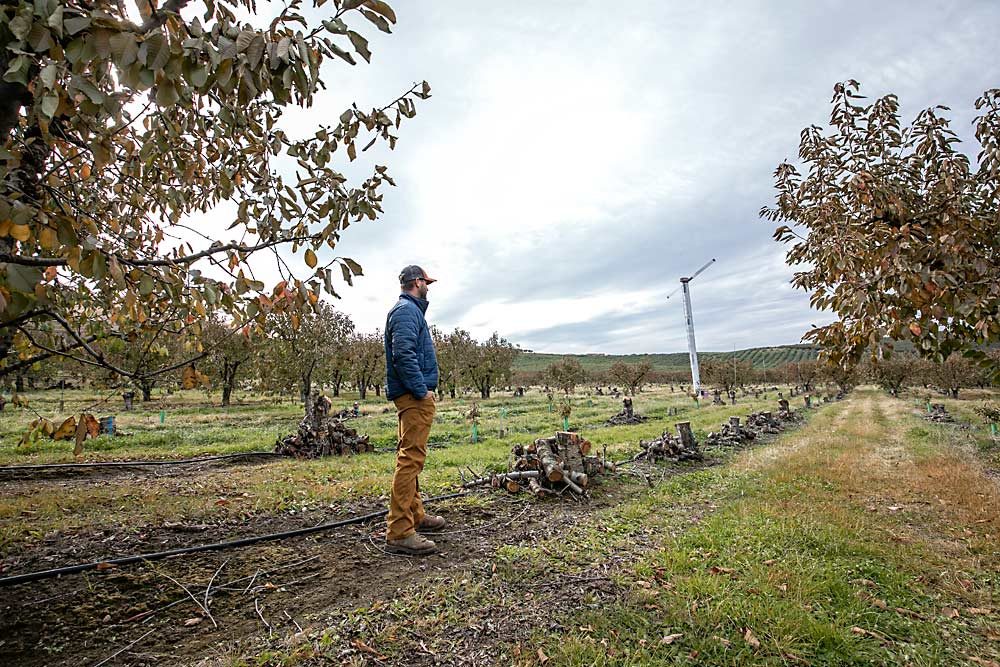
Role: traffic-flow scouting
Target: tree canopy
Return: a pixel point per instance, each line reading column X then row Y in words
column 114, row 131
column 898, row 230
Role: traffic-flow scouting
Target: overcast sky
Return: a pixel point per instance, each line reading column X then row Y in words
column 576, row 158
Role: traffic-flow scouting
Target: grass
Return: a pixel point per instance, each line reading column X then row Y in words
column 193, row 426
column 868, row 537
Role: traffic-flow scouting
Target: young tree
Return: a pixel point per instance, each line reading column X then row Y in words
column 723, row 373
column 898, row 234
column 295, row 347
column 565, row 374
column 843, row 378
column 114, row 132
column 954, row 373
column 893, row 373
column 630, row 375
column 490, row 363
column 454, row 352
column 229, row 352
column 367, row 352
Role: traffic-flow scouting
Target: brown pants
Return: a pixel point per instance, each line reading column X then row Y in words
column 406, row 511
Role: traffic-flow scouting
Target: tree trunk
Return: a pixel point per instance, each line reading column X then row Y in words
column 378, row 390
column 452, row 391
column 228, row 381
column 19, row 383
column 362, row 389
column 954, row 392
column 305, row 387
column 146, row 387
column 338, row 379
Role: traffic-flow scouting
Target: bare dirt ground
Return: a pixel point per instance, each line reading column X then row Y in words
column 267, row 588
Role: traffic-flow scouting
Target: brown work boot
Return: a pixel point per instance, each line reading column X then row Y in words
column 431, row 523
column 414, row 545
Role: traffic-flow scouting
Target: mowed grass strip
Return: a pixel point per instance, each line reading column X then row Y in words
column 866, row 538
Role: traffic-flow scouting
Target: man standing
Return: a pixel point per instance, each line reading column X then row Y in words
column 411, row 377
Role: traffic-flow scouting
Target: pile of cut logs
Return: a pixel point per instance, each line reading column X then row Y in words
column 322, row 434
column 732, row 434
column 557, row 465
column 682, row 447
column 766, row 422
column 939, row 414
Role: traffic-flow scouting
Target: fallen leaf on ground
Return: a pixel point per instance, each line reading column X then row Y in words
column 865, row 582
column 949, row 612
column 751, row 638
column 983, row 661
column 542, row 658
column 879, row 603
column 722, row 640
column 909, row 612
column 670, row 639
column 895, row 508
column 978, row 611
column 193, row 621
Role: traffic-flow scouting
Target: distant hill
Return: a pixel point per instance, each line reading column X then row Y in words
column 760, row 357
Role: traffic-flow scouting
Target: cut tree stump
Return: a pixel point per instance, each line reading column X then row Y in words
column 322, row 434
column 558, row 464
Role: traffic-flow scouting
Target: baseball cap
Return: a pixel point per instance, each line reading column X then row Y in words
column 414, row 272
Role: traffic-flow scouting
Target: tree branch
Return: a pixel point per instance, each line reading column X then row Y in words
column 176, row 261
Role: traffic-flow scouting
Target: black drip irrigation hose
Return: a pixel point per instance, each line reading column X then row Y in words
column 132, row 464
column 218, row 546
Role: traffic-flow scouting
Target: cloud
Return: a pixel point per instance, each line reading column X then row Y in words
column 577, row 158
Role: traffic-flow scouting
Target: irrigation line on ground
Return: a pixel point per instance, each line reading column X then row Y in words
column 132, row 464
column 218, row 546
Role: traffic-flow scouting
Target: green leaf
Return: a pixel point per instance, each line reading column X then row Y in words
column 49, row 105
column 75, row 24
column 20, row 26
column 23, row 278
column 146, row 285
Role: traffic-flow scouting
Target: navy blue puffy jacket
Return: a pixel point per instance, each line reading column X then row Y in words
column 410, row 363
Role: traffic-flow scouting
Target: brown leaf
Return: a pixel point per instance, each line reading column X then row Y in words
column 722, row 640
column 880, row 604
column 542, row 658
column 193, row 621
column 65, row 430
column 985, row 662
column 670, row 639
column 93, row 426
column 978, row 611
column 949, row 612
column 751, row 638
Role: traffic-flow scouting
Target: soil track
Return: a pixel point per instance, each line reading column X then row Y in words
column 86, row 618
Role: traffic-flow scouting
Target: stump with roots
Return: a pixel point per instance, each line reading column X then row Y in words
column 322, row 434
